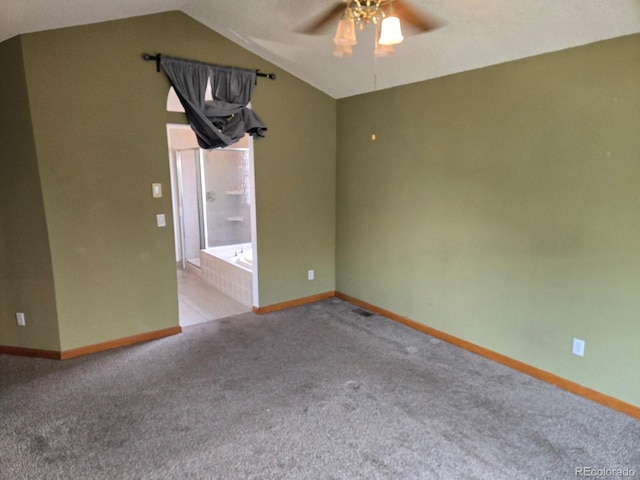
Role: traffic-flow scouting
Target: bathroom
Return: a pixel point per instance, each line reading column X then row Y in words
column 213, row 202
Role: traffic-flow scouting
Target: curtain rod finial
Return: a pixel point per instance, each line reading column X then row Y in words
column 270, row 76
column 147, row 57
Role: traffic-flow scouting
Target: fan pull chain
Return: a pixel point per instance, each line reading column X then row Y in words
column 375, row 79
column 375, row 86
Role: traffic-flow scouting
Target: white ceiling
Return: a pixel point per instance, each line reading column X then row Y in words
column 475, row 33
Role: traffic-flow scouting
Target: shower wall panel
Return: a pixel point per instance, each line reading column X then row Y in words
column 227, row 197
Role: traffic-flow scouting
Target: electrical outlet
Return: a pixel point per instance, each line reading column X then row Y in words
column 310, row 275
column 578, row 347
column 20, row 319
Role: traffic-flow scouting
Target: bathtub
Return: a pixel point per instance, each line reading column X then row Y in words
column 229, row 268
column 238, row 255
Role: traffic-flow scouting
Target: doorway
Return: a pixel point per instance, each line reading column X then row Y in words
column 214, row 218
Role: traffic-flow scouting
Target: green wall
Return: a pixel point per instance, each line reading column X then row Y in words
column 498, row 205
column 295, row 191
column 26, row 278
column 99, row 124
column 501, row 206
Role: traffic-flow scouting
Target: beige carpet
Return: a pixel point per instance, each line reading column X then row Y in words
column 314, row 392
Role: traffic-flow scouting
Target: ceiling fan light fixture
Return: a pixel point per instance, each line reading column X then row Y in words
column 390, row 31
column 385, row 15
column 346, row 33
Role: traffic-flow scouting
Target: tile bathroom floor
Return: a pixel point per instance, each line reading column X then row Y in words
column 200, row 302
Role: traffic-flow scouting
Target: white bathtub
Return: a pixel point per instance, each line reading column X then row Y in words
column 229, row 269
column 239, row 255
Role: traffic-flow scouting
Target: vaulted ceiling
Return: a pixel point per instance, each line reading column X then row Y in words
column 474, row 33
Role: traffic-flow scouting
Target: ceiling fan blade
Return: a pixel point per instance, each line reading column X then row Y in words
column 319, row 24
column 414, row 19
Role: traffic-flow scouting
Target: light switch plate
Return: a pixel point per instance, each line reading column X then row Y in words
column 161, row 220
column 156, row 190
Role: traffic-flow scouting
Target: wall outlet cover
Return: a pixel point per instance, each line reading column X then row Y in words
column 578, row 347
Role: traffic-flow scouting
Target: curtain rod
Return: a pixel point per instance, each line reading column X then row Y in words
column 156, row 58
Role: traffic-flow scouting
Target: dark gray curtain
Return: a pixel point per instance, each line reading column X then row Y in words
column 223, row 121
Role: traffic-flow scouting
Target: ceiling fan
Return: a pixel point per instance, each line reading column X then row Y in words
column 387, row 14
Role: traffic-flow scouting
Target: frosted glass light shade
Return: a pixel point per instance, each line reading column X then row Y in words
column 390, row 32
column 346, row 32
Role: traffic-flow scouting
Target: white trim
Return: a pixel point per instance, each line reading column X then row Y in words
column 254, row 224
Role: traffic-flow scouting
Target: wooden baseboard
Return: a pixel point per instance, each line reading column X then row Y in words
column 593, row 395
column 29, row 352
column 293, row 303
column 120, row 342
column 89, row 349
